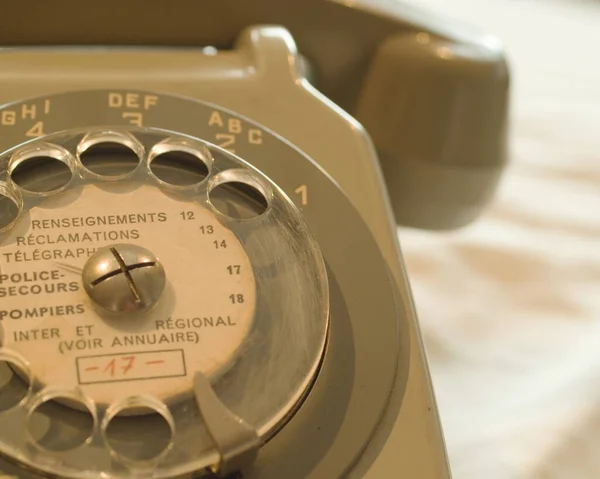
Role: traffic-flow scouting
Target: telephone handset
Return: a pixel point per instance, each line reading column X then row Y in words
column 198, row 257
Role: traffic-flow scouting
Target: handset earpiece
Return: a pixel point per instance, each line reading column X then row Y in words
column 437, row 111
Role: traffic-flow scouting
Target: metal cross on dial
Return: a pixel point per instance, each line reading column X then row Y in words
column 124, row 279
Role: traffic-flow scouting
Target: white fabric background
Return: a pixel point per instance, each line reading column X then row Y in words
column 510, row 306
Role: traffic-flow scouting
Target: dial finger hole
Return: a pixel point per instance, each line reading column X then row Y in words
column 41, row 170
column 239, row 195
column 126, row 429
column 11, row 205
column 60, row 421
column 110, row 155
column 15, row 381
column 178, row 164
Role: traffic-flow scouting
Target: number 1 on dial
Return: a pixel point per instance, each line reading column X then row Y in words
column 302, row 190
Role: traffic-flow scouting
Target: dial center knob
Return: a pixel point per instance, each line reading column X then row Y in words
column 124, row 279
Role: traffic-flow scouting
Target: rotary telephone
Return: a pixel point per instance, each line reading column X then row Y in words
column 199, row 268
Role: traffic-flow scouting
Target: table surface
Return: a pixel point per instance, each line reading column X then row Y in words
column 510, row 306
